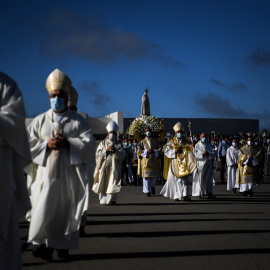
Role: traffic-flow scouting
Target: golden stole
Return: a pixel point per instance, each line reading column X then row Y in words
column 184, row 164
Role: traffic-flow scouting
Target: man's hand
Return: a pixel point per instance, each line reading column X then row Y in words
column 178, row 151
column 62, row 142
column 111, row 148
column 150, row 151
column 58, row 142
column 205, row 153
column 52, row 143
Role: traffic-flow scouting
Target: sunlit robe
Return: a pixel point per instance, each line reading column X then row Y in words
column 232, row 158
column 14, row 156
column 203, row 174
column 248, row 172
column 180, row 167
column 107, row 175
column 149, row 165
column 59, row 187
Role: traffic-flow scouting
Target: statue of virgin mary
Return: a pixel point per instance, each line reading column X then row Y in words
column 145, row 109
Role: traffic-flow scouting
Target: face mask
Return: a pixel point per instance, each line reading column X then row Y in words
column 112, row 136
column 234, row 144
column 203, row 139
column 57, row 104
column 256, row 143
column 135, row 144
column 179, row 135
column 148, row 133
column 125, row 144
column 249, row 143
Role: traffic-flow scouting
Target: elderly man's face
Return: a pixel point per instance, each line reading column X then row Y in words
column 58, row 93
column 58, row 100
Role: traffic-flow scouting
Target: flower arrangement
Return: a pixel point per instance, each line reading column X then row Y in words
column 139, row 124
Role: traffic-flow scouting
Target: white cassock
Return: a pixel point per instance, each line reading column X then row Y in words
column 57, row 180
column 14, row 156
column 174, row 188
column 232, row 158
column 107, row 175
column 203, row 174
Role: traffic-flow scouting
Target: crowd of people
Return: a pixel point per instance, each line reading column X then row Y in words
column 202, row 154
column 58, row 154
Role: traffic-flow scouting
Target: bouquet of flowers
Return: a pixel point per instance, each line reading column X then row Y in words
column 139, row 124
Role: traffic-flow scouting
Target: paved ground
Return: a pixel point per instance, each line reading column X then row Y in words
column 231, row 232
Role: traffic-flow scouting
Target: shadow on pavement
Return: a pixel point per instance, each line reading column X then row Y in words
column 129, row 222
column 174, row 233
column 111, row 256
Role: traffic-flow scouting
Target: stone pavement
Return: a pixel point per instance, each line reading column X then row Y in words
column 230, row 232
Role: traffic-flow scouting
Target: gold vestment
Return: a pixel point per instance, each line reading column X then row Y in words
column 149, row 166
column 248, row 173
column 184, row 163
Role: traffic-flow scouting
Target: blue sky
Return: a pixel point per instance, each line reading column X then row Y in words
column 198, row 58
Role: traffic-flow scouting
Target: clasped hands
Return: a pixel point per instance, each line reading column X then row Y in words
column 58, row 142
column 150, row 151
column 111, row 148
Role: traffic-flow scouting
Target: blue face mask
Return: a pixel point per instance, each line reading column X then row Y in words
column 148, row 133
column 203, row 139
column 57, row 104
column 179, row 135
column 135, row 144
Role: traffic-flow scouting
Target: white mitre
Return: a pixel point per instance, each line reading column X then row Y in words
column 72, row 96
column 112, row 126
column 58, row 80
column 178, row 126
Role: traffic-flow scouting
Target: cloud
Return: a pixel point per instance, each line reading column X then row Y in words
column 218, row 106
column 261, row 56
column 236, row 86
column 264, row 118
column 97, row 98
column 68, row 33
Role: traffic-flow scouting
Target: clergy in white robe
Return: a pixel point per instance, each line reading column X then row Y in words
column 61, row 142
column 232, row 166
column 72, row 105
column 107, row 176
column 203, row 174
column 182, row 163
column 14, row 156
